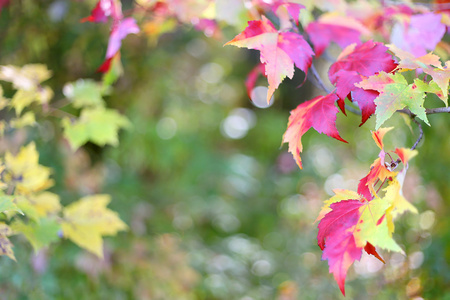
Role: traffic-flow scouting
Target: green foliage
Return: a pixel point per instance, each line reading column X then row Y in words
column 205, row 215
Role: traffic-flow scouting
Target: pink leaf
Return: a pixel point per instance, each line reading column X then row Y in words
column 423, row 33
column 127, row 26
column 318, row 113
column 279, row 51
column 293, row 8
column 331, row 28
column 104, row 9
column 366, row 59
column 336, row 238
column 354, row 63
column 366, row 102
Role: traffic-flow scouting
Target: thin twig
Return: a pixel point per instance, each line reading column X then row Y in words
column 420, row 134
column 395, row 164
column 352, row 109
column 438, row 110
column 428, row 111
column 60, row 113
column 319, row 80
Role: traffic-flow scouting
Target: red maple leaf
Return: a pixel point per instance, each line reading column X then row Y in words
column 104, row 9
column 279, row 50
column 378, row 170
column 343, row 233
column 318, row 113
column 354, row 64
column 119, row 30
column 370, row 249
column 336, row 239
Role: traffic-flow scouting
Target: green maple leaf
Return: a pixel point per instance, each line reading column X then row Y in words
column 374, row 224
column 7, row 203
column 39, row 234
column 84, row 93
column 98, row 125
column 396, row 94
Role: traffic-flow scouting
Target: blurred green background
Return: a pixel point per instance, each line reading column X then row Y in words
column 215, row 208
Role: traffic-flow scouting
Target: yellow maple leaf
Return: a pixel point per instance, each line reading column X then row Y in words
column 88, row 219
column 40, row 205
column 395, row 197
column 25, row 172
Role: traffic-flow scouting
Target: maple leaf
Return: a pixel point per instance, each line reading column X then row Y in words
column 26, row 78
column 373, row 225
column 88, row 219
column 345, row 195
column 318, row 113
column 370, row 249
column 441, row 76
column 120, row 29
column 40, row 205
column 5, row 243
column 27, row 119
column 98, row 125
column 335, row 238
column 118, row 33
column 84, row 93
column 279, row 51
column 395, row 94
column 112, row 71
column 417, row 38
column 335, row 28
column 287, row 10
column 348, row 228
column 24, row 171
column 7, row 203
column 393, row 192
column 355, row 63
column 365, row 100
column 405, row 154
column 430, row 64
column 339, row 195
column 394, row 195
column 409, row 61
column 366, row 59
column 378, row 136
column 104, row 9
column 378, row 171
column 39, row 234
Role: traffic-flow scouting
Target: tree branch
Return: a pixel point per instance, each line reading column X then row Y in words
column 352, row 109
column 430, row 111
column 420, row 134
column 319, row 80
column 394, row 164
